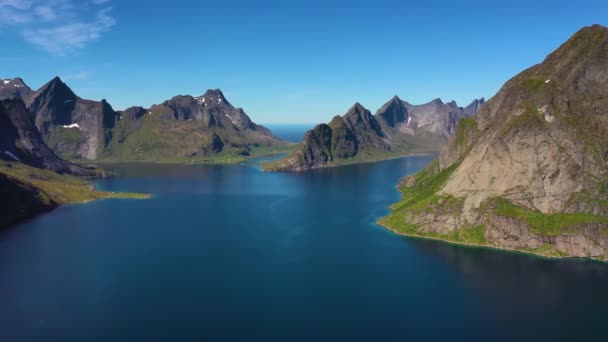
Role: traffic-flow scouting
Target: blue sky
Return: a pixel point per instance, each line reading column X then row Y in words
column 284, row 61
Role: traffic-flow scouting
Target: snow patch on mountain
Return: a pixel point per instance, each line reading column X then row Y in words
column 74, row 125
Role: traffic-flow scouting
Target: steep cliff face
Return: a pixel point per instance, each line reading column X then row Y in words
column 530, row 171
column 354, row 137
column 20, row 141
column 474, row 107
column 71, row 126
column 394, row 114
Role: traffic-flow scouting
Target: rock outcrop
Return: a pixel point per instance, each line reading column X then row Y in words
column 351, row 137
column 530, row 171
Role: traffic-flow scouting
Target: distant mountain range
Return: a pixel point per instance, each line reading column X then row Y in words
column 182, row 129
column 397, row 128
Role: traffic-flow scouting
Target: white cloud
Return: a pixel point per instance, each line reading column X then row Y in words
column 58, row 26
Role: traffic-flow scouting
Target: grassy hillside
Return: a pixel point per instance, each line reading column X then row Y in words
column 60, row 189
column 155, row 140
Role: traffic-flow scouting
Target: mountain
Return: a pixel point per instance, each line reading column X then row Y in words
column 184, row 128
column 432, row 118
column 398, row 128
column 529, row 171
column 74, row 128
column 20, row 141
column 187, row 128
column 435, row 117
column 394, row 114
column 33, row 179
column 474, row 107
column 356, row 135
column 12, row 88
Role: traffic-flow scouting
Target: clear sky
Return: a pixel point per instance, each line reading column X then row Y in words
column 284, row 61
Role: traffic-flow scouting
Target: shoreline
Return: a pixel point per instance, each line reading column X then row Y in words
column 488, row 247
column 416, row 154
column 235, row 161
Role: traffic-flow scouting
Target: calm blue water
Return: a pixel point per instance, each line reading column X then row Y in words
column 231, row 252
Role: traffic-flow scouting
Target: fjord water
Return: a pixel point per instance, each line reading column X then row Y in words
column 230, row 252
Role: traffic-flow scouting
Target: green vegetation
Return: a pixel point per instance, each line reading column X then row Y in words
column 368, row 155
column 61, row 189
column 472, row 236
column 540, row 223
column 534, row 84
column 465, row 128
column 152, row 139
column 65, row 141
column 427, row 183
column 546, row 250
column 422, row 197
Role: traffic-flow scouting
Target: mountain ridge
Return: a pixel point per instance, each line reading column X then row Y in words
column 398, row 128
column 87, row 130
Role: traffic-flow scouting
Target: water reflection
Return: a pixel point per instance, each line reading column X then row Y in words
column 525, row 292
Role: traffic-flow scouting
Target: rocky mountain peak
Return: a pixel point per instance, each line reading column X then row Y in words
column 15, row 82
column 588, row 42
column 474, row 107
column 213, row 97
column 11, row 88
column 393, row 112
column 58, row 89
column 356, row 108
